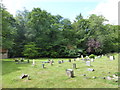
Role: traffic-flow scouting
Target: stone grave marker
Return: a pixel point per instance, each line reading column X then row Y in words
column 90, row 69
column 59, row 62
column 51, row 63
column 43, row 65
column 111, row 58
column 70, row 72
column 33, row 62
column 69, row 60
column 62, row 61
column 28, row 61
column 74, row 65
column 92, row 60
column 82, row 56
column 88, row 63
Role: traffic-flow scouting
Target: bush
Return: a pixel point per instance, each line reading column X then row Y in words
column 92, row 56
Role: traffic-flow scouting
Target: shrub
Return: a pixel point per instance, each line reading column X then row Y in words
column 92, row 56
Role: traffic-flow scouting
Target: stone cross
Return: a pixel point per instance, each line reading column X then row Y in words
column 88, row 63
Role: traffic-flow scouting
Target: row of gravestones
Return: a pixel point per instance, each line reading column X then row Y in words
column 18, row 61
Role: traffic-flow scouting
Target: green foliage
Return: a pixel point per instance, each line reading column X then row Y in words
column 30, row 50
column 92, row 56
column 56, row 36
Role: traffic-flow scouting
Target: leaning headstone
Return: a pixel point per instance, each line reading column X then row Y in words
column 24, row 76
column 88, row 63
column 74, row 65
column 90, row 69
column 43, row 66
column 70, row 72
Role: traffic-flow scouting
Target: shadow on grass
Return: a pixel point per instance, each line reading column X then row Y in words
column 9, row 66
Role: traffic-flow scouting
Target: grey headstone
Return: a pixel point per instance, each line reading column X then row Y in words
column 59, row 62
column 74, row 65
column 28, row 61
column 88, row 63
column 69, row 60
column 70, row 72
column 43, row 66
column 90, row 69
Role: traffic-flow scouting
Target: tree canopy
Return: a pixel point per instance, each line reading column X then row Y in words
column 56, row 36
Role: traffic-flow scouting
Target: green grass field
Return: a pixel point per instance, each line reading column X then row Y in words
column 55, row 76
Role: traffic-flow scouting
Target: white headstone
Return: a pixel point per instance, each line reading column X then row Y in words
column 77, row 59
column 82, row 56
column 92, row 60
column 33, row 62
column 111, row 58
column 88, row 63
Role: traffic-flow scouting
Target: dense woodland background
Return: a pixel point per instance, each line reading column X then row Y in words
column 37, row 34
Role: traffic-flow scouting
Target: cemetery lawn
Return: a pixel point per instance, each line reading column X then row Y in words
column 55, row 76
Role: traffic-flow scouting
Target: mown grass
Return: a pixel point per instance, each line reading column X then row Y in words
column 55, row 76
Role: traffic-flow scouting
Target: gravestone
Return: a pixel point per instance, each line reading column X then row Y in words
column 62, row 61
column 88, row 63
column 74, row 59
column 43, row 66
column 51, row 63
column 69, row 60
column 92, row 60
column 78, row 59
column 28, row 61
column 111, row 58
column 16, row 60
column 59, row 62
column 33, row 62
column 22, row 60
column 70, row 72
column 90, row 69
column 24, row 76
column 87, row 57
column 82, row 56
column 74, row 65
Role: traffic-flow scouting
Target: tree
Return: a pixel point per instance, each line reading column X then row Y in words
column 8, row 29
column 30, row 50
